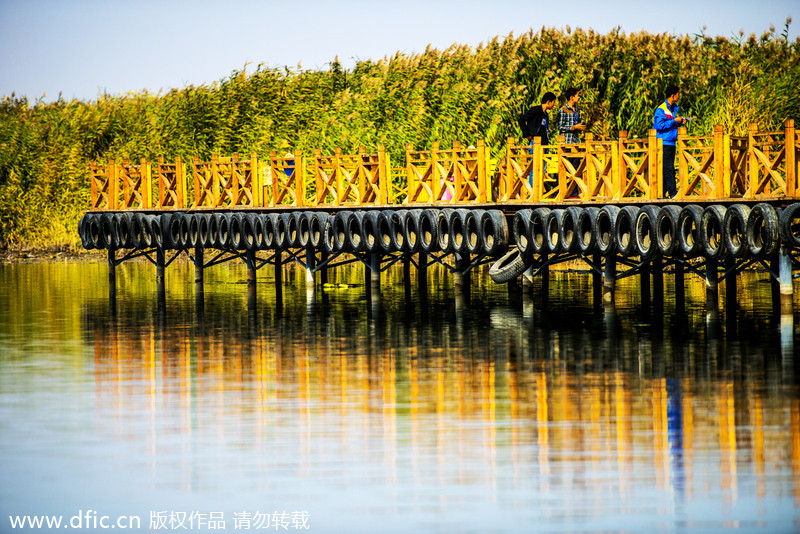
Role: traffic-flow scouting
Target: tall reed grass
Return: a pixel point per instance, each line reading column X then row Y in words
column 460, row 94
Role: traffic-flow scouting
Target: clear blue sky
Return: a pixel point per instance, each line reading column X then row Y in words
column 83, row 48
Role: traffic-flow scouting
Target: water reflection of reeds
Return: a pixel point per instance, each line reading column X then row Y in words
column 497, row 394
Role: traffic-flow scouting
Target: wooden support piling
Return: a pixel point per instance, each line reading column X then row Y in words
column 712, row 286
column 422, row 272
column 311, row 264
column 112, row 271
column 609, row 280
column 278, row 260
column 644, row 285
column 597, row 282
column 680, row 289
column 786, row 289
column 250, row 257
column 657, row 271
column 198, row 269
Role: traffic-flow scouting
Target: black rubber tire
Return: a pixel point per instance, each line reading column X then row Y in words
column 734, row 230
column 237, row 238
column 521, row 228
column 81, row 229
column 625, row 231
column 443, row 230
column 667, row 237
column 251, row 236
column 282, row 231
column 567, row 231
column 156, row 231
column 369, row 231
column 328, row 237
column 457, row 222
column 316, row 228
column 340, row 221
column 762, row 230
column 411, row 223
column 184, row 237
column 472, row 231
column 385, row 241
column 108, row 234
column 140, row 232
column 604, row 230
column 494, row 232
column 292, row 229
column 537, row 237
column 93, row 232
column 122, row 227
column 428, row 230
column 397, row 230
column 552, row 230
column 223, row 227
column 509, row 267
column 711, row 232
column 585, row 229
column 303, row 228
column 789, row 225
column 690, row 241
column 192, row 222
column 271, row 231
column 212, row 230
column 355, row 231
column 171, row 230
column 645, row 234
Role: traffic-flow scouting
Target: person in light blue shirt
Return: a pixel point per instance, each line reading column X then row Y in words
column 666, row 121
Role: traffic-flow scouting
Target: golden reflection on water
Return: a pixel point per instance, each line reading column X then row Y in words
column 462, row 403
column 568, row 409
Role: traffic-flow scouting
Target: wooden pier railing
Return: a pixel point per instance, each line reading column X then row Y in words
column 761, row 165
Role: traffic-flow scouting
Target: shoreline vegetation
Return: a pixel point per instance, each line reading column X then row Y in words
column 461, row 94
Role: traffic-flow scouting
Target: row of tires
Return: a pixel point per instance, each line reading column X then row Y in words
column 460, row 231
column 715, row 231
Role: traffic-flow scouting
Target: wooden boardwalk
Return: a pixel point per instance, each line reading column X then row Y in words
column 523, row 210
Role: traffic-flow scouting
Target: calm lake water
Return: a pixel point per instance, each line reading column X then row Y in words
column 334, row 412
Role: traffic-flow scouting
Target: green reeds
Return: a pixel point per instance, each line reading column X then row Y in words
column 459, row 94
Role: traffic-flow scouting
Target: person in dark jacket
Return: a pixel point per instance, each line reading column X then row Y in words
column 535, row 123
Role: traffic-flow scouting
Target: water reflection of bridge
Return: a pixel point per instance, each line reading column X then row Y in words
column 554, row 406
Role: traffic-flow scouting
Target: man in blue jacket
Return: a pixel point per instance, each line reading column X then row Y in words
column 666, row 122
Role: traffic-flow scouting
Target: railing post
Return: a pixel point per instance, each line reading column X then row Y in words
column 457, row 160
column 752, row 162
column 719, row 162
column 196, row 176
column 384, row 176
column 537, row 170
column 562, row 170
column 621, row 176
column 682, row 178
column 591, row 170
column 338, row 176
column 655, row 158
column 410, row 180
column 147, row 184
column 483, row 175
column 255, row 181
column 180, row 183
column 504, row 194
column 300, row 178
column 434, row 175
column 789, row 144
column 113, row 187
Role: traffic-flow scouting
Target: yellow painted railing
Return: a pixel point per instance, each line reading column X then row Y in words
column 761, row 165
